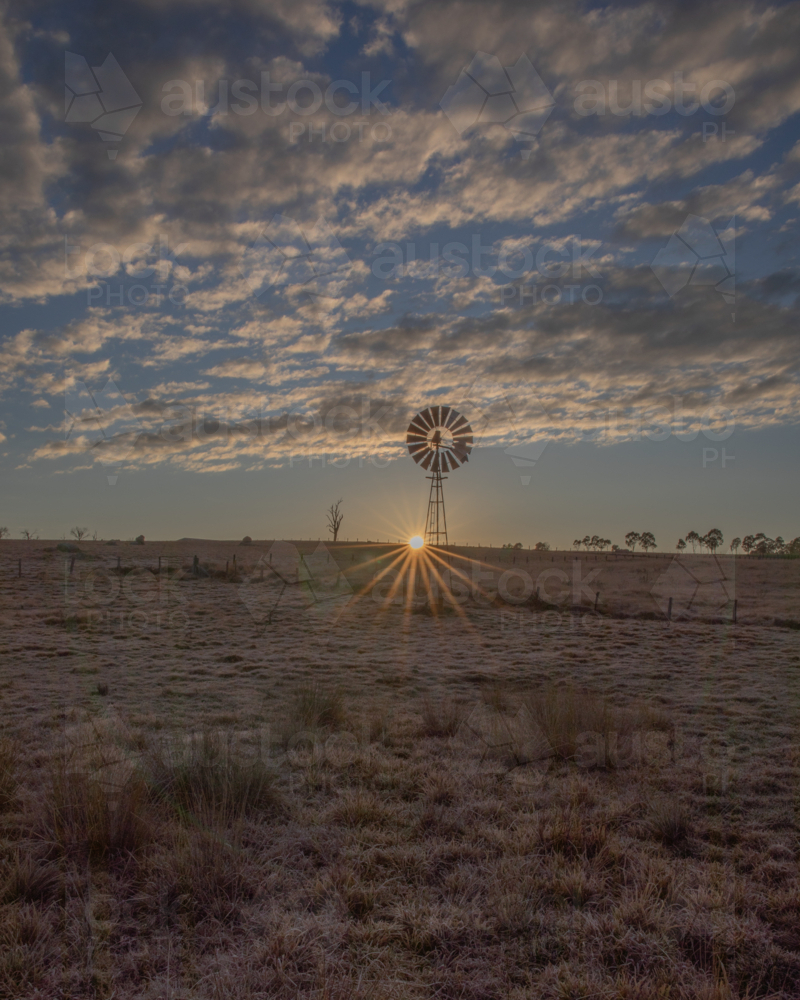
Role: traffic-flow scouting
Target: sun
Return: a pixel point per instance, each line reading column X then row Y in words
column 416, row 542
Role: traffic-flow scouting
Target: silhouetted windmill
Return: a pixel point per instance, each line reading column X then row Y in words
column 439, row 439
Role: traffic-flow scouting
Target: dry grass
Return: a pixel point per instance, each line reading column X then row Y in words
column 205, row 776
column 402, row 868
column 603, row 811
column 9, row 759
column 312, row 707
column 101, row 812
column 669, row 822
column 442, row 716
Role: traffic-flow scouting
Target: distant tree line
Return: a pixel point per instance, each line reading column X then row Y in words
column 760, row 544
column 594, row 542
column 712, row 541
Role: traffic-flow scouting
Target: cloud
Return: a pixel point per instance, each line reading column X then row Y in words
column 190, row 193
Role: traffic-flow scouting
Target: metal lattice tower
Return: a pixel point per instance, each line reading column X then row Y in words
column 436, row 521
column 440, row 440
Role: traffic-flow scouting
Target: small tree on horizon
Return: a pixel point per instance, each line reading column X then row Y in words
column 735, row 544
column 647, row 541
column 79, row 533
column 632, row 539
column 692, row 538
column 29, row 535
column 681, row 546
column 335, row 518
column 713, row 540
column 542, row 546
column 4, row 532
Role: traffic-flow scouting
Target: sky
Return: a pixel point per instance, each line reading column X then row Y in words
column 244, row 242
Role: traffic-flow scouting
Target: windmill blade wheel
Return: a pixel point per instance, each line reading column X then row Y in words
column 439, row 439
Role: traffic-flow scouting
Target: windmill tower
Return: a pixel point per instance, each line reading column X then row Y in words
column 439, row 439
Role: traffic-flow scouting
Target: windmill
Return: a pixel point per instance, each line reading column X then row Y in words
column 439, row 439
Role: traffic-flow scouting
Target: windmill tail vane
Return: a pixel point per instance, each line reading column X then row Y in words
column 440, row 440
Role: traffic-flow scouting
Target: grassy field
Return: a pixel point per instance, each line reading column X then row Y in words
column 292, row 780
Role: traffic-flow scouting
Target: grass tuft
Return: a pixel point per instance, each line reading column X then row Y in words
column 443, row 717
column 314, row 707
column 9, row 759
column 207, row 776
column 669, row 822
column 29, row 879
column 101, row 812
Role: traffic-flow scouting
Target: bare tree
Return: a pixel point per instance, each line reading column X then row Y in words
column 4, row 532
column 78, row 533
column 335, row 518
column 29, row 535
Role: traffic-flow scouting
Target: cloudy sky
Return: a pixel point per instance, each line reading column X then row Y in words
column 244, row 241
